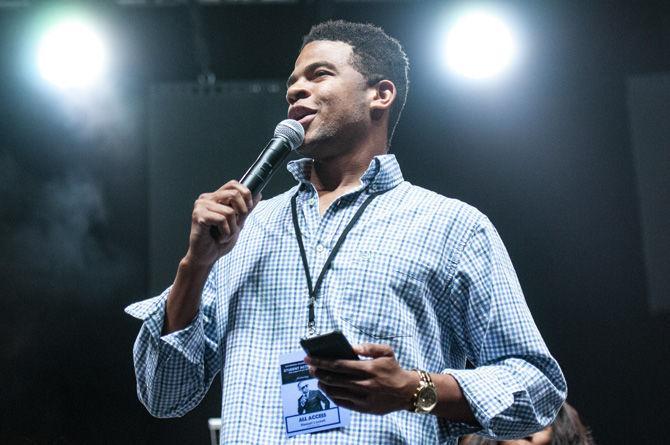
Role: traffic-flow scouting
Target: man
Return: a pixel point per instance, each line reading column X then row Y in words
column 311, row 401
column 419, row 282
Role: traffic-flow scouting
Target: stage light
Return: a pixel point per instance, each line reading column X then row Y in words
column 479, row 45
column 72, row 54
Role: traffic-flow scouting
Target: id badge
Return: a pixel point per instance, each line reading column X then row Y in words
column 306, row 408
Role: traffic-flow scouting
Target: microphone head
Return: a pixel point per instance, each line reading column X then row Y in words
column 292, row 131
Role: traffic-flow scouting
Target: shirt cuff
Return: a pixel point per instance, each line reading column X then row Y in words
column 486, row 397
column 187, row 341
column 151, row 312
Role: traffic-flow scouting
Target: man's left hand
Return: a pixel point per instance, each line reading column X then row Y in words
column 376, row 386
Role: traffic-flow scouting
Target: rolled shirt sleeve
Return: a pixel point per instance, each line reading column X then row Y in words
column 175, row 371
column 516, row 387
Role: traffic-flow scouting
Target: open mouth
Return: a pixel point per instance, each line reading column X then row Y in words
column 304, row 121
column 301, row 114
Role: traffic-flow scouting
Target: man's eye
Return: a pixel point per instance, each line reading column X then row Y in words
column 321, row 73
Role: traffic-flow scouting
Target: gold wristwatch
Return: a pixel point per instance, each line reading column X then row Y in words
column 425, row 397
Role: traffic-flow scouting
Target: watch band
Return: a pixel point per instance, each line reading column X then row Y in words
column 425, row 376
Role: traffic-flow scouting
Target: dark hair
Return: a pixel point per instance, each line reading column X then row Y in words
column 376, row 55
column 567, row 429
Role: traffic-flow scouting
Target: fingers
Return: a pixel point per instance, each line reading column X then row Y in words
column 225, row 216
column 336, row 380
column 225, row 209
column 217, row 220
column 210, row 213
column 344, row 403
column 340, row 395
column 359, row 368
column 373, row 350
column 236, row 195
column 356, row 399
column 350, row 368
column 224, row 221
column 377, row 385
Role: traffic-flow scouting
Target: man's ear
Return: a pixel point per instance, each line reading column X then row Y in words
column 384, row 96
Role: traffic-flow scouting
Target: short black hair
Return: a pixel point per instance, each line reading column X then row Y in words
column 376, row 55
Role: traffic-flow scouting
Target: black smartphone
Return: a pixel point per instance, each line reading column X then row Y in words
column 333, row 345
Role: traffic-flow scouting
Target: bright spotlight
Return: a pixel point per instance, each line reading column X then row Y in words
column 72, row 55
column 479, row 46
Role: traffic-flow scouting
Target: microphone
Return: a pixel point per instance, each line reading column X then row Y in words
column 288, row 136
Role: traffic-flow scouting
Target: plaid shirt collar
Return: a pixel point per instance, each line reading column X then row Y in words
column 382, row 174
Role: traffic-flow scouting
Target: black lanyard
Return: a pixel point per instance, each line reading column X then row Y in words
column 311, row 325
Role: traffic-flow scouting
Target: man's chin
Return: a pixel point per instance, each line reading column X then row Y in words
column 316, row 148
column 307, row 149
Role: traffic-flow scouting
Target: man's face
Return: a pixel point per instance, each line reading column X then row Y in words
column 329, row 98
column 304, row 389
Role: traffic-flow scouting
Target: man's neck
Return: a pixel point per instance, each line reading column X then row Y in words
column 331, row 175
column 344, row 170
column 334, row 176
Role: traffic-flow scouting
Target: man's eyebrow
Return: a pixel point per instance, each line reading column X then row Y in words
column 311, row 67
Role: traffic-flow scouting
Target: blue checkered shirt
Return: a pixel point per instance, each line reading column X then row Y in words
column 425, row 274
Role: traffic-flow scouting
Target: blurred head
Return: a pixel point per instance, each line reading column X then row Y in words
column 303, row 387
column 567, row 429
column 540, row 438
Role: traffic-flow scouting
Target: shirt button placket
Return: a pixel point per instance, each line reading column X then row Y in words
column 321, row 254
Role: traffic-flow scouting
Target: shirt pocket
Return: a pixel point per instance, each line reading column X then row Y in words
column 383, row 293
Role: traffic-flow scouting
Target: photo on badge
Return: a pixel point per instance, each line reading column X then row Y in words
column 306, row 408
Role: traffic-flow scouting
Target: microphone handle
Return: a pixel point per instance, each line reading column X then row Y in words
column 266, row 164
column 262, row 170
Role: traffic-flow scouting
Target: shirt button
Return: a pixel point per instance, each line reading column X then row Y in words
column 319, row 248
column 312, row 201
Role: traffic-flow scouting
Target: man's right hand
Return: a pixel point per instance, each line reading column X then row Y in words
column 216, row 222
column 226, row 210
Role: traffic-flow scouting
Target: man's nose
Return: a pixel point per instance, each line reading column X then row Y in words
column 298, row 90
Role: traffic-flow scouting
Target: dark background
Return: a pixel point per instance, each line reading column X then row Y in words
column 546, row 153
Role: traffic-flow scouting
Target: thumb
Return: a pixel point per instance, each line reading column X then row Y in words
column 373, row 350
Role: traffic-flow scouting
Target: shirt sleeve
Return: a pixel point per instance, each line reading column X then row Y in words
column 516, row 386
column 175, row 371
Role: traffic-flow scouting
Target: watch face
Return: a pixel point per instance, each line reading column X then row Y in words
column 427, row 398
